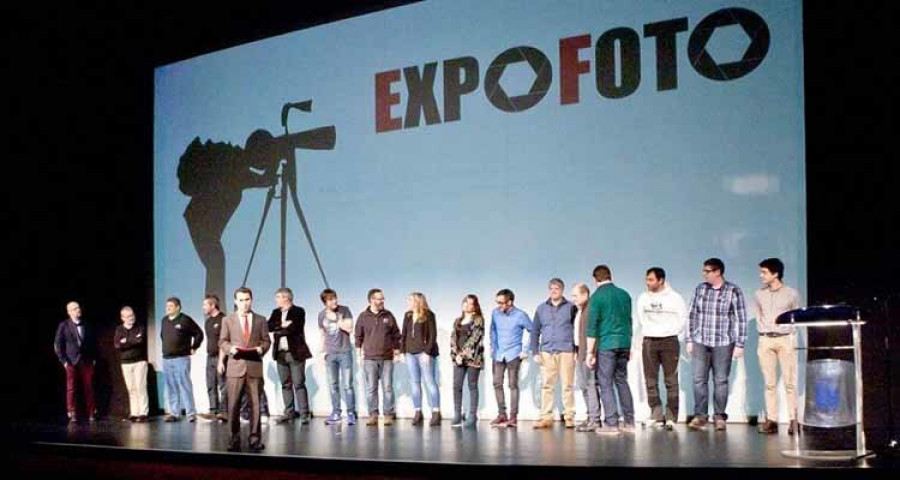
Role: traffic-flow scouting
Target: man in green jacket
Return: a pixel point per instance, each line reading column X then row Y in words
column 609, row 349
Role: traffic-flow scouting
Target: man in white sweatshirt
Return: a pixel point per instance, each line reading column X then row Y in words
column 663, row 315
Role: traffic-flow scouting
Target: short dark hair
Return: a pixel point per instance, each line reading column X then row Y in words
column 773, row 265
column 602, row 273
column 715, row 264
column 174, row 300
column 508, row 294
column 326, row 294
column 243, row 290
column 372, row 293
column 212, row 297
column 658, row 272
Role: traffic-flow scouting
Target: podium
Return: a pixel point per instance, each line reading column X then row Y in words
column 829, row 316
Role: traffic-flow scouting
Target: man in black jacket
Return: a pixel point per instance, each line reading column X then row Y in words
column 378, row 348
column 215, row 382
column 181, row 337
column 130, row 341
column 76, row 351
column 290, row 352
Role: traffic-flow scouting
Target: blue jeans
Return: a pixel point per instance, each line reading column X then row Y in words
column 179, row 389
column 587, row 380
column 423, row 365
column 383, row 370
column 340, row 379
column 613, row 366
column 719, row 359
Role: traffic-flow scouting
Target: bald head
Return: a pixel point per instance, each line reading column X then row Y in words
column 127, row 316
column 580, row 294
column 74, row 310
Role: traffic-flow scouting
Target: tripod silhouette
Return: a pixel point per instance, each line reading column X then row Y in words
column 322, row 138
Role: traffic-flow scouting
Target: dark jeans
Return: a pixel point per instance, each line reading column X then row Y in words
column 340, row 379
column 379, row 370
column 613, row 365
column 216, row 386
column 719, row 360
column 293, row 384
column 460, row 373
column 512, row 367
column 662, row 351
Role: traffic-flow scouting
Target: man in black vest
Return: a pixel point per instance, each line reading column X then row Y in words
column 290, row 352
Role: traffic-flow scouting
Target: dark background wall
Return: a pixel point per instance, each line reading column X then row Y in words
column 78, row 206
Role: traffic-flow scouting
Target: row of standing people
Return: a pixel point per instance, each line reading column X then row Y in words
column 588, row 339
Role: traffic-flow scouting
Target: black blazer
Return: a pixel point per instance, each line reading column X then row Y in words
column 295, row 334
column 67, row 347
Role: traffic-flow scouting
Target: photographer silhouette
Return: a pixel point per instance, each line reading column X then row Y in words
column 214, row 175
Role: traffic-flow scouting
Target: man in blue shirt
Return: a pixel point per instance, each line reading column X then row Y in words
column 553, row 344
column 507, row 326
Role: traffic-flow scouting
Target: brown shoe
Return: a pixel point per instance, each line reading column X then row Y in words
column 793, row 427
column 512, row 423
column 389, row 420
column 768, row 427
column 542, row 424
column 418, row 418
column 500, row 421
column 698, row 423
column 372, row 421
column 435, row 419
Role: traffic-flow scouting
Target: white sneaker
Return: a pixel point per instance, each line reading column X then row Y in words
column 264, row 419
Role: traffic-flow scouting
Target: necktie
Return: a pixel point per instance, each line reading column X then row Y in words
column 246, row 330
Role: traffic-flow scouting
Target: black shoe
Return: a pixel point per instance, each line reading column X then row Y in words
column 235, row 445
column 304, row 419
column 73, row 419
column 257, row 446
column 92, row 419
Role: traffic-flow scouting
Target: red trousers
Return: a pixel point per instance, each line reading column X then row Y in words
column 82, row 373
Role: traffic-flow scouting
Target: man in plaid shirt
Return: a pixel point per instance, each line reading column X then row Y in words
column 717, row 332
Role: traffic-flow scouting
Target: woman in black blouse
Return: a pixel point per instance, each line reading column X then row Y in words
column 419, row 343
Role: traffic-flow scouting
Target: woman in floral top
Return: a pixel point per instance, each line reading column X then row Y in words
column 467, row 354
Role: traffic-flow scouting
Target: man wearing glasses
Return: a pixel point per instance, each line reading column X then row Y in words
column 716, row 334
column 507, row 326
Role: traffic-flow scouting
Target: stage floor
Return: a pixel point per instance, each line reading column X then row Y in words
column 420, row 447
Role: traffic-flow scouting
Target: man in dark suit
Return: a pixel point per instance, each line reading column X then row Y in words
column 290, row 353
column 245, row 339
column 76, row 351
